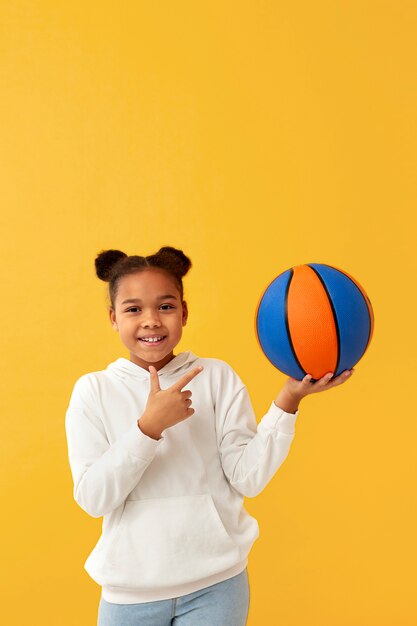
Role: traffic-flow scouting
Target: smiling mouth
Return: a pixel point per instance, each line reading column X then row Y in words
column 153, row 342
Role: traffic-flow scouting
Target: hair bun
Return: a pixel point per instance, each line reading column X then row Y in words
column 105, row 261
column 180, row 262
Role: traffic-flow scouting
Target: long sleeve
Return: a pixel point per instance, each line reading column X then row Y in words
column 250, row 453
column 103, row 474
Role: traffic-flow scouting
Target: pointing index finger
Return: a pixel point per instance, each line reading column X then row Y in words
column 186, row 378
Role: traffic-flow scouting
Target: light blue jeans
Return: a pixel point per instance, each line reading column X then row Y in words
column 223, row 604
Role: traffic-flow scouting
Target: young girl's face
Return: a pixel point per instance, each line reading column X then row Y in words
column 156, row 311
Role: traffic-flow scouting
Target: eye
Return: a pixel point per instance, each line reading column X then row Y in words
column 136, row 307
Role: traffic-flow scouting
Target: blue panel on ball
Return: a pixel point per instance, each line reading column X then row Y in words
column 351, row 313
column 272, row 329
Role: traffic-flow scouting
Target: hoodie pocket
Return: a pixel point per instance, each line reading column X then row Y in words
column 168, row 541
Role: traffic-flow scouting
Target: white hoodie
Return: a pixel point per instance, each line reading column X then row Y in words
column 174, row 520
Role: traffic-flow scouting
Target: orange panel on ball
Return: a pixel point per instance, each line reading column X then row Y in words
column 311, row 323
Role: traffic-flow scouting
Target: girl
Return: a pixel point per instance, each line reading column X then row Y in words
column 169, row 478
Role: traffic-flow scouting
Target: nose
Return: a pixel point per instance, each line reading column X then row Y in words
column 151, row 320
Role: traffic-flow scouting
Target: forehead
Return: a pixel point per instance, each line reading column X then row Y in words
column 147, row 284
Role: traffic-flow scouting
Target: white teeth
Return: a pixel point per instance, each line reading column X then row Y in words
column 152, row 339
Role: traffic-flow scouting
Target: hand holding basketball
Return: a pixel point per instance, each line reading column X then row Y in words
column 295, row 390
column 300, row 389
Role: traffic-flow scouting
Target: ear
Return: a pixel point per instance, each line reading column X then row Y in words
column 113, row 319
column 184, row 313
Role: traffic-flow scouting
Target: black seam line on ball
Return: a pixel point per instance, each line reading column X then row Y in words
column 365, row 296
column 287, row 324
column 334, row 317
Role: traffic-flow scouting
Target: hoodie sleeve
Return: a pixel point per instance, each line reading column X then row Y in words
column 250, row 453
column 103, row 474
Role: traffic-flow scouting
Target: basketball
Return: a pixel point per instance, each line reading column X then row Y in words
column 314, row 319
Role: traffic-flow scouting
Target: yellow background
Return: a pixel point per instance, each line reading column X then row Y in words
column 255, row 136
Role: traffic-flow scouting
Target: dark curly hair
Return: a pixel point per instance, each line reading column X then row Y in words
column 112, row 265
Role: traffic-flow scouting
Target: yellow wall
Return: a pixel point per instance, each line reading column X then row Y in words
column 255, row 136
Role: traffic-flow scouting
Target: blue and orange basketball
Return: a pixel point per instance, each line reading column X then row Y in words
column 314, row 319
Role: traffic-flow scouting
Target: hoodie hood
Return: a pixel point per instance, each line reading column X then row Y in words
column 126, row 369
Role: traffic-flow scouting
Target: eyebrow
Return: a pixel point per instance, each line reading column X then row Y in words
column 166, row 297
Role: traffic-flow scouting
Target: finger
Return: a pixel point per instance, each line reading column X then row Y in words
column 184, row 380
column 339, row 380
column 325, row 379
column 154, row 379
column 343, row 376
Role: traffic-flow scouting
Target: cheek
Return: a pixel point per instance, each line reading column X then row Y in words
column 177, row 328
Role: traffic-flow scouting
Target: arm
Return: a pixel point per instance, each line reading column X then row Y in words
column 286, row 402
column 250, row 453
column 103, row 474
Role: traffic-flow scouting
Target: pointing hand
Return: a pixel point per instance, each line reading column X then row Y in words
column 166, row 407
